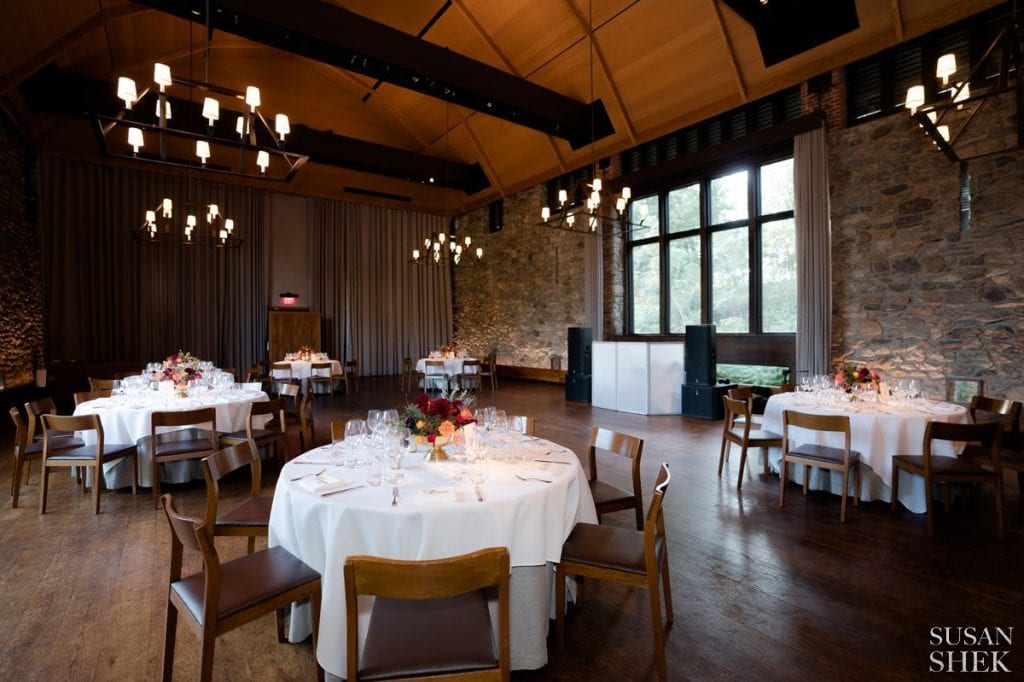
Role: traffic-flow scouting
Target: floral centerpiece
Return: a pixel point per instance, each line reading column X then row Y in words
column 435, row 421
column 182, row 368
column 305, row 353
column 851, row 377
column 449, row 351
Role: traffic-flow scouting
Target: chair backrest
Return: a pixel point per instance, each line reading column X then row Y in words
column 101, row 384
column 281, row 370
column 300, row 403
column 471, row 366
column 522, row 424
column 36, row 409
column 82, row 422
column 433, row 367
column 197, row 417
column 261, row 408
column 783, row 388
column 1006, row 413
column 86, row 396
column 834, row 423
column 320, row 369
column 407, row 366
column 421, row 580
column 736, row 408
column 223, row 462
column 988, row 436
column 196, row 536
column 654, row 524
column 338, row 429
column 352, row 368
column 253, row 374
column 742, row 393
column 20, row 431
column 616, row 443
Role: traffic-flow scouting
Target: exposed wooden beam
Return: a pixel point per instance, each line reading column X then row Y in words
column 897, row 18
column 46, row 55
column 486, row 37
column 588, row 33
column 741, row 86
column 491, row 171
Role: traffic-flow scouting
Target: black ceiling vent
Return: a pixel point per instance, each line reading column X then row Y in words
column 786, row 28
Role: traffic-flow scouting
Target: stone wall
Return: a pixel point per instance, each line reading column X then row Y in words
column 21, row 322
column 913, row 295
column 528, row 289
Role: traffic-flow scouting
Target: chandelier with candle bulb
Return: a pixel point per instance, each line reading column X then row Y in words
column 215, row 230
column 590, row 209
column 443, row 249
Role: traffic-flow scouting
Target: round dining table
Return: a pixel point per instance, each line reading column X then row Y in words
column 452, row 366
column 878, row 430
column 126, row 419
column 528, row 506
column 303, row 369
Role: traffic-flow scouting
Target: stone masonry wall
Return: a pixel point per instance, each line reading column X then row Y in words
column 21, row 320
column 528, row 289
column 913, row 295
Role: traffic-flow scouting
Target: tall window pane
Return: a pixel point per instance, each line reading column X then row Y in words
column 684, row 208
column 778, row 276
column 684, row 283
column 646, row 289
column 730, row 280
column 644, row 213
column 728, row 197
column 777, row 187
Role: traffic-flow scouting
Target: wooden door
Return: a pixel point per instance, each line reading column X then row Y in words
column 290, row 331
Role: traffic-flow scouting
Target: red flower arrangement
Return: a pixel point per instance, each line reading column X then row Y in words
column 856, row 376
column 441, row 417
column 181, row 368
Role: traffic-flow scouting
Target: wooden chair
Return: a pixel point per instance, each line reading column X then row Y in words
column 320, row 375
column 434, row 377
column 608, row 498
column 250, row 517
column 1007, row 413
column 101, row 384
column 338, row 429
column 201, row 444
column 984, row 442
column 740, row 429
column 410, row 377
column 489, row 370
column 810, row 455
column 469, row 379
column 224, row 596
column 270, row 435
column 442, row 601
column 624, row 555
column 24, row 453
column 783, row 388
column 296, row 415
column 746, row 394
column 522, row 424
column 281, row 375
column 35, row 410
column 351, row 376
column 86, row 396
column 85, row 456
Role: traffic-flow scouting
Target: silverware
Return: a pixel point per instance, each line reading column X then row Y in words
column 551, row 461
column 343, row 490
column 479, row 495
column 394, row 496
column 299, row 478
column 532, row 478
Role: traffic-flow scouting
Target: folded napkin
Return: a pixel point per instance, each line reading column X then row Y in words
column 325, row 483
column 322, row 455
column 436, row 496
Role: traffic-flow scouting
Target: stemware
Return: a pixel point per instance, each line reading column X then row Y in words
column 913, row 389
column 374, row 420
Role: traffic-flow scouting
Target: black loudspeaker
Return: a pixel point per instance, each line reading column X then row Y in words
column 705, row 402
column 577, row 388
column 701, row 356
column 580, row 340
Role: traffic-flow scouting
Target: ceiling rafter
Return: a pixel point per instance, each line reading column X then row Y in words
column 589, row 34
column 897, row 18
column 46, row 55
column 331, row 34
column 486, row 37
column 741, row 86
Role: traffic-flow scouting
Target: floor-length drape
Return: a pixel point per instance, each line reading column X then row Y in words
column 375, row 305
column 813, row 253
column 109, row 296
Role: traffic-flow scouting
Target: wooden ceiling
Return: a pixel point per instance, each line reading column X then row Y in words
column 656, row 65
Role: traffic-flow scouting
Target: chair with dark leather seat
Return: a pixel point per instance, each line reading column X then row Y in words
column 248, row 518
column 740, row 429
column 36, row 409
column 101, row 384
column 981, row 441
column 430, row 619
column 200, row 443
column 296, row 415
column 609, row 498
column 271, row 434
column 321, row 374
column 746, row 394
column 469, row 379
column 1007, row 413
column 86, row 396
column 224, row 596
column 624, row 555
column 410, row 376
column 82, row 457
column 810, row 455
column 350, row 375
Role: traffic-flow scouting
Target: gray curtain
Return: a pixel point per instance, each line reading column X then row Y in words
column 109, row 296
column 813, row 253
column 375, row 306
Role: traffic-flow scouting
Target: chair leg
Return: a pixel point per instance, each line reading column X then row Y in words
column 638, row 508
column 209, row 643
column 659, row 631
column 856, row 484
column 44, row 475
column 16, row 482
column 764, row 455
column 807, row 477
column 559, row 608
column 314, row 612
column 929, row 512
column 895, row 485
column 154, row 479
column 97, row 472
column 743, row 464
column 945, row 498
column 666, row 588
column 783, row 471
column 279, row 616
column 842, row 504
column 251, row 547
column 723, row 453
column 170, row 633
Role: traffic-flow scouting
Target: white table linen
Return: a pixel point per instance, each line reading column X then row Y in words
column 878, row 430
column 452, row 367
column 302, row 369
column 126, row 419
column 531, row 518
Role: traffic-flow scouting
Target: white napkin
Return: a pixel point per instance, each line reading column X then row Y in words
column 322, row 455
column 436, row 496
column 325, row 483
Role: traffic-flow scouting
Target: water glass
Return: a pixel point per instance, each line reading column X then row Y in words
column 374, row 420
column 375, row 475
column 355, row 429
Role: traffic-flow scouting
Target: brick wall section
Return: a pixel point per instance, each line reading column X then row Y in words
column 527, row 291
column 912, row 294
column 21, row 323
column 832, row 101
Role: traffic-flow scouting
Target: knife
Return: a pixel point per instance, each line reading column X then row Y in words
column 479, row 495
column 551, row 461
column 343, row 490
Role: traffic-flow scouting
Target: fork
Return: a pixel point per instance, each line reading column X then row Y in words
column 317, row 475
column 532, row 478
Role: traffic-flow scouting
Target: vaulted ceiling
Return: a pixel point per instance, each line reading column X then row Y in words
column 382, row 110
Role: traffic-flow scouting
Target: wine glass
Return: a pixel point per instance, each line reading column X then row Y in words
column 374, row 420
column 913, row 389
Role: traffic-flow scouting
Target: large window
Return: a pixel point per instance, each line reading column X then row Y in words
column 720, row 249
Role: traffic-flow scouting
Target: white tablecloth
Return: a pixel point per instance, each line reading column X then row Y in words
column 531, row 518
column 127, row 419
column 452, row 366
column 878, row 431
column 302, row 369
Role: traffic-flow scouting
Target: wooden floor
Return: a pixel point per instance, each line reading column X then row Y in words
column 760, row 593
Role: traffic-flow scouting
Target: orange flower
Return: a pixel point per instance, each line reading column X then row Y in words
column 466, row 414
column 446, row 429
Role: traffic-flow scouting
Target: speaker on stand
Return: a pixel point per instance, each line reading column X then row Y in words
column 578, row 378
column 702, row 394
